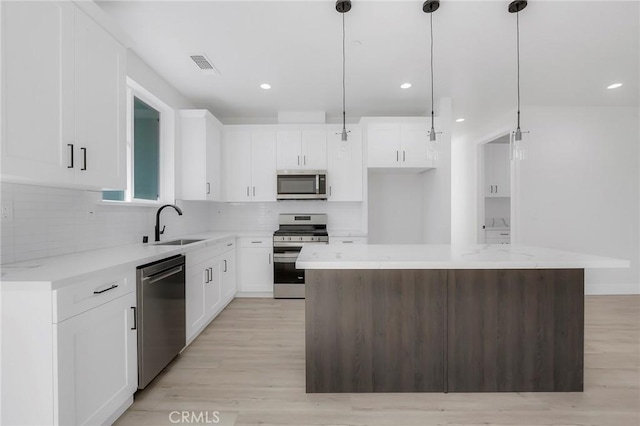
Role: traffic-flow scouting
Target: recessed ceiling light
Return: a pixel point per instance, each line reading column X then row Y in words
column 405, row 85
column 614, row 86
column 265, row 86
column 459, row 120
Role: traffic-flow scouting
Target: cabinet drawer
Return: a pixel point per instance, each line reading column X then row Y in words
column 91, row 292
column 498, row 234
column 198, row 256
column 256, row 242
column 347, row 240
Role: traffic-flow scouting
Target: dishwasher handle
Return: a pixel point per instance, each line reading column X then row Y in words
column 165, row 274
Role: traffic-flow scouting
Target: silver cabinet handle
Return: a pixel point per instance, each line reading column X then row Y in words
column 254, row 191
column 229, row 244
column 211, row 273
column 247, row 191
column 206, row 276
column 84, row 156
column 347, row 242
column 225, row 265
column 70, row 145
column 403, row 156
column 269, row 258
column 208, row 188
column 256, row 242
column 329, row 190
column 496, row 189
column 298, row 160
column 304, row 158
column 397, row 155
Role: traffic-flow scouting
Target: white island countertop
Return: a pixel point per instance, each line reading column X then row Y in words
column 436, row 256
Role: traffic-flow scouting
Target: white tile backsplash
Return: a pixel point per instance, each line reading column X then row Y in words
column 343, row 216
column 54, row 221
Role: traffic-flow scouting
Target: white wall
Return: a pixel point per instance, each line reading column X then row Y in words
column 436, row 188
column 396, row 208
column 577, row 190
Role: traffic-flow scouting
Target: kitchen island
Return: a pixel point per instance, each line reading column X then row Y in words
column 440, row 318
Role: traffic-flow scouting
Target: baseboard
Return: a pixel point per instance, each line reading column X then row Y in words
column 611, row 288
column 120, row 411
column 265, row 294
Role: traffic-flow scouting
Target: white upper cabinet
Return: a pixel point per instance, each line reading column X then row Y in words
column 497, row 170
column 37, row 78
column 399, row 144
column 344, row 165
column 201, row 156
column 63, row 85
column 302, row 148
column 249, row 154
column 100, row 106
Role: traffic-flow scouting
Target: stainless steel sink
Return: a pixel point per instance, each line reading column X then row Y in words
column 177, row 242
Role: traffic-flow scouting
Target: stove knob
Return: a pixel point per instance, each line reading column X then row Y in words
column 289, row 238
column 300, row 238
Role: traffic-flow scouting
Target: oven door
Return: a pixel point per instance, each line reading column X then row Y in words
column 284, row 264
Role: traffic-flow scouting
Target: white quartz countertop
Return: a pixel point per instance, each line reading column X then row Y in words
column 61, row 270
column 481, row 256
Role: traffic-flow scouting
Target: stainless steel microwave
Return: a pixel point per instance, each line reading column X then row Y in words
column 302, row 185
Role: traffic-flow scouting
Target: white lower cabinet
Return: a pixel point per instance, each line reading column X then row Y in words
column 96, row 362
column 73, row 350
column 255, row 263
column 210, row 284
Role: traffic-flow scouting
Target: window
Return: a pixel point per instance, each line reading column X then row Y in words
column 148, row 124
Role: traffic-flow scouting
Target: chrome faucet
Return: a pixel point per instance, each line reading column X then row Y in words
column 158, row 231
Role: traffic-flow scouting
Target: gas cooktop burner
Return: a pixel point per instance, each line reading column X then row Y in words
column 301, row 232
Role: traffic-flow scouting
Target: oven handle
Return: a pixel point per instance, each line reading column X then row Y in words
column 287, row 254
column 278, row 259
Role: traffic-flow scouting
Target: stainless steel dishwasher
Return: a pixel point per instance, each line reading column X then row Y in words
column 160, row 315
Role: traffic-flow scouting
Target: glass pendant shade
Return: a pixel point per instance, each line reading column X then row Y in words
column 518, row 145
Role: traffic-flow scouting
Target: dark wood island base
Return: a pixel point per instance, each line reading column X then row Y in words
column 444, row 330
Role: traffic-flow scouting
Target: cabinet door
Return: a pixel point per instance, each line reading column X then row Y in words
column 289, row 149
column 256, row 270
column 263, row 165
column 314, row 148
column 228, row 275
column 196, row 281
column 383, row 145
column 194, row 149
column 37, row 91
column 501, row 170
column 212, row 291
column 344, row 166
column 97, row 362
column 488, row 170
column 414, row 139
column 213, row 184
column 237, row 161
column 100, row 106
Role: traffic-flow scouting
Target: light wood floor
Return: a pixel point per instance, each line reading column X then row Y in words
column 249, row 366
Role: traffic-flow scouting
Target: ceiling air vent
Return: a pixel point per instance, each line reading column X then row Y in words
column 205, row 64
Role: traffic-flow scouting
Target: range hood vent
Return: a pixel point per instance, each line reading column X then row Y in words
column 205, row 64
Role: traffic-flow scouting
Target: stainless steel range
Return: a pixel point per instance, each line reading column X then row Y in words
column 295, row 231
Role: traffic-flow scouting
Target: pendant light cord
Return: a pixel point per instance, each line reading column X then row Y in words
column 518, row 61
column 431, row 28
column 344, row 115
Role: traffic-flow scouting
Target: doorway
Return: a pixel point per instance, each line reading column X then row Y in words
column 494, row 192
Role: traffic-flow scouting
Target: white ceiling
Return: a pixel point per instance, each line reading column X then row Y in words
column 570, row 52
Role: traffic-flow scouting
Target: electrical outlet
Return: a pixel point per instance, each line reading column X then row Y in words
column 7, row 213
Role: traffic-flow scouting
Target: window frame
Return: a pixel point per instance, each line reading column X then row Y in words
column 166, row 172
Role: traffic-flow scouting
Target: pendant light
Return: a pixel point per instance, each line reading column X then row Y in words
column 515, row 7
column 429, row 7
column 343, row 6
